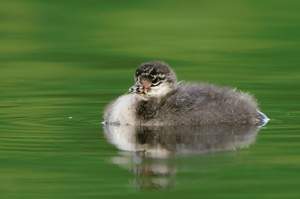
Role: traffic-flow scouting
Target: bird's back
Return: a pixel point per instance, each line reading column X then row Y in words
column 197, row 104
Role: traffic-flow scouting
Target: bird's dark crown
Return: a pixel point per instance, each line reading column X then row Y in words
column 153, row 70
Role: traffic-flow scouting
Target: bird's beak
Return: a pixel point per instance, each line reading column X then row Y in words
column 139, row 88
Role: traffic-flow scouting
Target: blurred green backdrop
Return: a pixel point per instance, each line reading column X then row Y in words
column 62, row 61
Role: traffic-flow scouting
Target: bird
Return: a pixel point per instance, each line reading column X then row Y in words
column 157, row 98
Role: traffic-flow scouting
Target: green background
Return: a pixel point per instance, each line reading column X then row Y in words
column 61, row 62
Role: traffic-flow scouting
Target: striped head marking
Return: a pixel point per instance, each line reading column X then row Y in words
column 153, row 77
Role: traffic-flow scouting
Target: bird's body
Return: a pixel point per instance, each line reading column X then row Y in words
column 158, row 99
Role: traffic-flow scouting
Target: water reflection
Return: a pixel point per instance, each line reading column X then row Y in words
column 146, row 150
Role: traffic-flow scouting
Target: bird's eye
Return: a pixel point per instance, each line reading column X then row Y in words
column 155, row 82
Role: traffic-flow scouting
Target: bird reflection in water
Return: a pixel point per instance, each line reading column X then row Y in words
column 147, row 150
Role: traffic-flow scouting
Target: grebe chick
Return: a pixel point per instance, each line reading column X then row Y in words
column 157, row 98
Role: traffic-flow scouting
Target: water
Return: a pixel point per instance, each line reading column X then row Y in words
column 61, row 63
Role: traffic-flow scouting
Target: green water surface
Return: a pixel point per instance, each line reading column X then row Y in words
column 62, row 62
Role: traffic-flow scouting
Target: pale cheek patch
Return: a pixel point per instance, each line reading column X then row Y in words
column 160, row 90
